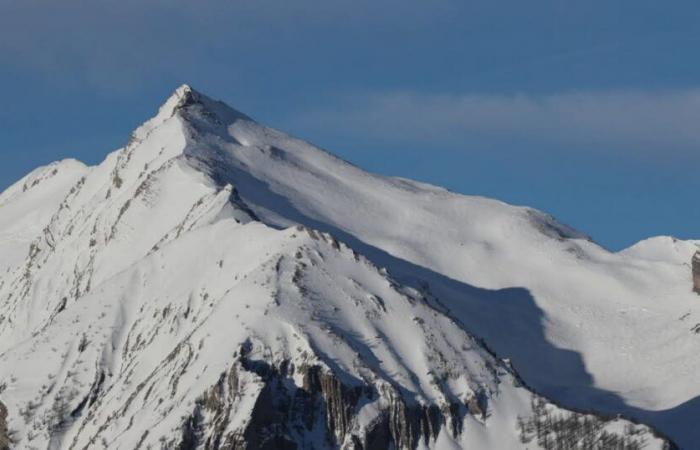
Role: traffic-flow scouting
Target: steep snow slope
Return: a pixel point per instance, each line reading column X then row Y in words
column 593, row 329
column 26, row 207
column 144, row 304
column 185, row 347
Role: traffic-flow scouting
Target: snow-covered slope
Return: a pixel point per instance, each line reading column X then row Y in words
column 614, row 332
column 179, row 295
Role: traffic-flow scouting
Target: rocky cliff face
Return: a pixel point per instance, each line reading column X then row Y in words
column 4, row 435
column 324, row 413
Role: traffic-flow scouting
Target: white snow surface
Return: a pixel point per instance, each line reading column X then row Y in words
column 127, row 289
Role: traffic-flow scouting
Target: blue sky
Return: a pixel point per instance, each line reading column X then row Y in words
column 587, row 110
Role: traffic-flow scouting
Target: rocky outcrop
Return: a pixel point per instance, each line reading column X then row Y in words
column 322, row 412
column 287, row 417
column 696, row 272
column 556, row 431
column 4, row 433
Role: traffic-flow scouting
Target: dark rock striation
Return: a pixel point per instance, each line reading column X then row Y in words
column 322, row 413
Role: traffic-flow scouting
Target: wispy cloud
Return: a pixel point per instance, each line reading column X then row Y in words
column 660, row 121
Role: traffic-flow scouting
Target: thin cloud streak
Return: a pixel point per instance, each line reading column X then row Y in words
column 644, row 121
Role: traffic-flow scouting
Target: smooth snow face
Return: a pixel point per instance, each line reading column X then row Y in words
column 148, row 300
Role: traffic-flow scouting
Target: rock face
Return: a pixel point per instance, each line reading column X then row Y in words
column 321, row 413
column 4, row 435
column 152, row 309
column 696, row 272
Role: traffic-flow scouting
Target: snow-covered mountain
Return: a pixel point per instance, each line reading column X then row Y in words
column 219, row 284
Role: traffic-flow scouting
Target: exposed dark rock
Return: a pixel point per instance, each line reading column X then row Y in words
column 553, row 430
column 191, row 431
column 219, row 402
column 91, row 396
column 320, row 412
column 189, row 98
column 5, row 440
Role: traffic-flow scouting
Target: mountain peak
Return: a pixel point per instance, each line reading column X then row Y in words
column 199, row 106
column 182, row 97
column 164, row 299
column 184, row 88
column 193, row 106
